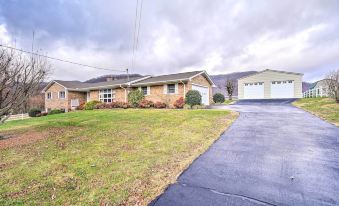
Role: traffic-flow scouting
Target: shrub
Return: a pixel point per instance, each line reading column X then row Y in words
column 187, row 106
column 80, row 107
column 218, row 98
column 44, row 113
column 146, row 104
column 179, row 103
column 34, row 112
column 135, row 97
column 90, row 105
column 56, row 111
column 193, row 97
column 160, row 105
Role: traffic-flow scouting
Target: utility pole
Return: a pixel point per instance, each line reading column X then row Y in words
column 127, row 74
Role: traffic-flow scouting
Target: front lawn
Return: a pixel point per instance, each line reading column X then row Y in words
column 324, row 108
column 102, row 156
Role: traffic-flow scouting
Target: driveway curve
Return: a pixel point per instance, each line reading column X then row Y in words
column 273, row 154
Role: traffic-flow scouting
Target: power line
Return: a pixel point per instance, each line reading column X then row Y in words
column 137, row 23
column 62, row 60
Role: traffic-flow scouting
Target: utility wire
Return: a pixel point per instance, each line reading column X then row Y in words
column 137, row 23
column 62, row 60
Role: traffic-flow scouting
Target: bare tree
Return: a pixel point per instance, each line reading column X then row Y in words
column 332, row 83
column 229, row 88
column 20, row 77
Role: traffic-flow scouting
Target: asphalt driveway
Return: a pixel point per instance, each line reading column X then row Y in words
column 273, row 154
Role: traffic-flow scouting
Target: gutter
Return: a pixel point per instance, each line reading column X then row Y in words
column 184, row 88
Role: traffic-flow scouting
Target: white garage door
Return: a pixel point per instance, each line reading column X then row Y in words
column 282, row 89
column 254, row 90
column 204, row 93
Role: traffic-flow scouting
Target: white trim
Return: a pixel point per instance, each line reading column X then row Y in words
column 59, row 95
column 176, row 88
column 165, row 88
column 199, row 85
column 162, row 82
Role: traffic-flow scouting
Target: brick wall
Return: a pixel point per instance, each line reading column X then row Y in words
column 55, row 102
column 81, row 96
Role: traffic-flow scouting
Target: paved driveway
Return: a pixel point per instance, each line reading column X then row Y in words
column 273, row 154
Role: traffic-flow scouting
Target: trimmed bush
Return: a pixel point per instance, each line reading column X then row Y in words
column 56, row 111
column 34, row 112
column 218, row 98
column 179, row 103
column 135, row 97
column 160, row 105
column 44, row 113
column 91, row 105
column 193, row 97
column 146, row 104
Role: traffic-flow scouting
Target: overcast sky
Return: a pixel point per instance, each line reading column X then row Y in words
column 218, row 36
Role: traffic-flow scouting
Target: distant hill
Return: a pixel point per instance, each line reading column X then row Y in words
column 112, row 76
column 220, row 81
column 306, row 86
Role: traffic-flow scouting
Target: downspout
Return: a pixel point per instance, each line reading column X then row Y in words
column 125, row 93
column 184, row 88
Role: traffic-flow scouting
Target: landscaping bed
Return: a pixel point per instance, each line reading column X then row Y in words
column 110, row 156
column 324, row 108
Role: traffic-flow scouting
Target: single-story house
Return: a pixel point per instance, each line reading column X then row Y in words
column 317, row 89
column 68, row 95
column 270, row 84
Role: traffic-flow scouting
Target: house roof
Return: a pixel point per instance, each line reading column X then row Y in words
column 83, row 86
column 173, row 78
column 271, row 70
column 137, row 81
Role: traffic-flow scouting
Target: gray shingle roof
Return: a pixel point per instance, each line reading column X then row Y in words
column 169, row 77
column 83, row 86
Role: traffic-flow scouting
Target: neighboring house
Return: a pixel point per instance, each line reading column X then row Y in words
column 270, row 84
column 317, row 89
column 68, row 95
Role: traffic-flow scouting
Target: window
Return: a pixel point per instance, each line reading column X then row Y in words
column 284, row 82
column 106, row 95
column 246, row 84
column 255, row 83
column 170, row 88
column 62, row 95
column 49, row 95
column 273, row 82
column 290, row 81
column 279, row 82
column 144, row 90
column 260, row 83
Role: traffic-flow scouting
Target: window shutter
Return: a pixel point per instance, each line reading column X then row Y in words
column 176, row 88
column 165, row 88
column 148, row 90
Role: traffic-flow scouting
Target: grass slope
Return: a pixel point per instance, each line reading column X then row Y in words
column 324, row 108
column 104, row 156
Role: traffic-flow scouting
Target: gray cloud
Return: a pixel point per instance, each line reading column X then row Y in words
column 219, row 36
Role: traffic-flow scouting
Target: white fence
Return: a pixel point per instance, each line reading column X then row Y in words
column 18, row 117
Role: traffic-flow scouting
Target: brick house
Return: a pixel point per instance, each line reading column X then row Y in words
column 68, row 95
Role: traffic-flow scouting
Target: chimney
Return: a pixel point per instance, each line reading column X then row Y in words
column 109, row 79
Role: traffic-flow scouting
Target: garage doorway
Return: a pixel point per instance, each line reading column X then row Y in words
column 204, row 93
column 254, row 90
column 282, row 89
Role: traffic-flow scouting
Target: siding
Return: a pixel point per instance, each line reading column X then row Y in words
column 267, row 77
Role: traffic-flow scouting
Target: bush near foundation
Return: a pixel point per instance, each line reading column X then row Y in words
column 193, row 97
column 179, row 103
column 218, row 98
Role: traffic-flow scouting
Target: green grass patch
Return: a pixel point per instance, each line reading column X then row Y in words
column 324, row 108
column 104, row 156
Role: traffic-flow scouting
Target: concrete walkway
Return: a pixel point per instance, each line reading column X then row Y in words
column 273, row 154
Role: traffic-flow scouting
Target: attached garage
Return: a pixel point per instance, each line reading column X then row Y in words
column 270, row 84
column 204, row 93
